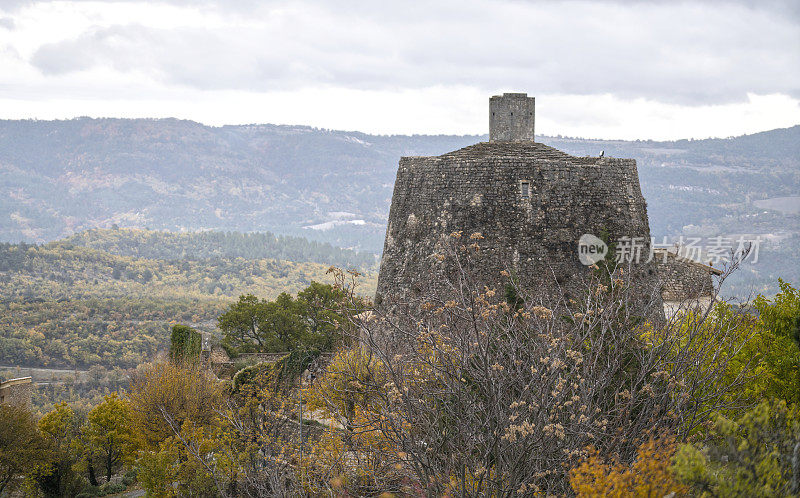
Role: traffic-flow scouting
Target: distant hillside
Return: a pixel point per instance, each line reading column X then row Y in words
column 58, row 177
column 66, row 305
column 60, row 271
column 215, row 245
column 61, row 177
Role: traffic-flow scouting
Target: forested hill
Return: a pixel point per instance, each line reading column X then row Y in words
column 152, row 244
column 90, row 300
column 56, row 271
column 61, row 177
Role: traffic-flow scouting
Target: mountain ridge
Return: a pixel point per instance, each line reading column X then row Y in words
column 60, row 177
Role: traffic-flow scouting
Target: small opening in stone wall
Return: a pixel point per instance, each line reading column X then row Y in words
column 525, row 189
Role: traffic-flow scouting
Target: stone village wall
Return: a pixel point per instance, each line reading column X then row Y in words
column 17, row 392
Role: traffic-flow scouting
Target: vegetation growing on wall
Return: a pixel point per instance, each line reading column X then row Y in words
column 185, row 343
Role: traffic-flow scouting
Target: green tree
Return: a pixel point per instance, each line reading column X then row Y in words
column 319, row 308
column 60, row 428
column 765, row 362
column 168, row 399
column 312, row 321
column 779, row 371
column 109, row 434
column 157, row 472
column 23, row 450
column 749, row 456
column 165, row 395
column 242, row 325
column 264, row 326
column 283, row 323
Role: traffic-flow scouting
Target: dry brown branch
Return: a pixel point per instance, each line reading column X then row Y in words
column 487, row 399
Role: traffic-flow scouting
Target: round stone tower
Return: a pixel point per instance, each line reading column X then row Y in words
column 531, row 204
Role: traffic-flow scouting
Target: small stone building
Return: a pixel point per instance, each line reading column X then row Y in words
column 530, row 203
column 684, row 280
column 17, row 392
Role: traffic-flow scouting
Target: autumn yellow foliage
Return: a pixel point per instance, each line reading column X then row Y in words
column 350, row 453
column 164, row 395
column 649, row 475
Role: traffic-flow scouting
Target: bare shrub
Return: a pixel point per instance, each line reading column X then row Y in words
column 499, row 391
column 477, row 390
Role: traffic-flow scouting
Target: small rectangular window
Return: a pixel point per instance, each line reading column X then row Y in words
column 526, row 190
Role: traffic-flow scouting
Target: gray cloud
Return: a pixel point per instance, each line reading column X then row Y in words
column 7, row 23
column 692, row 53
column 783, row 7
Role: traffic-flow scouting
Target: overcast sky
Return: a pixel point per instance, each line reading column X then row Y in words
column 600, row 69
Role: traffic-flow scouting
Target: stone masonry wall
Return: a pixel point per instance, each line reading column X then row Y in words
column 683, row 279
column 480, row 189
column 17, row 392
